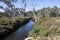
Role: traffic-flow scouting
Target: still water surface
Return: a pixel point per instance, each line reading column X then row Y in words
column 21, row 33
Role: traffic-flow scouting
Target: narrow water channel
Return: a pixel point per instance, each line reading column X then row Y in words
column 21, row 33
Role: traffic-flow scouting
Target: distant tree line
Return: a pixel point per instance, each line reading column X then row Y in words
column 46, row 12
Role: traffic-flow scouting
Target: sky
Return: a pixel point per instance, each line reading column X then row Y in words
column 39, row 4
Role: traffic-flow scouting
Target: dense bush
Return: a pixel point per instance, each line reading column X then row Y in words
column 8, row 23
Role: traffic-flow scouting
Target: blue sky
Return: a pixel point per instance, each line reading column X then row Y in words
column 38, row 4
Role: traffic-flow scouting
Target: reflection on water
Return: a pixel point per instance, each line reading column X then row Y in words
column 21, row 33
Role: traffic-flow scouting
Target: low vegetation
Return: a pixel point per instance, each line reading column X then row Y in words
column 46, row 27
column 8, row 25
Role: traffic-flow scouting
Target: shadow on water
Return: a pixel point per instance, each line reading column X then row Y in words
column 21, row 33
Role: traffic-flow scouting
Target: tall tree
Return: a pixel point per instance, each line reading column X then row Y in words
column 9, row 5
column 54, row 10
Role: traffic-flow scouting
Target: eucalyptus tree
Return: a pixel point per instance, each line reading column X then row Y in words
column 58, row 11
column 10, row 5
column 41, row 14
column 34, row 11
column 7, row 2
column 18, row 11
column 23, row 9
column 6, row 12
column 54, row 10
column 47, row 11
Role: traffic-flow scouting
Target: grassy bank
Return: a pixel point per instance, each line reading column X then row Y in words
column 46, row 27
column 8, row 25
